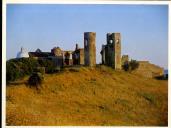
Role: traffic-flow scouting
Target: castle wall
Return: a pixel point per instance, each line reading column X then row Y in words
column 117, row 52
column 103, row 54
column 149, row 70
column 67, row 57
column 112, row 55
column 81, row 57
column 125, row 59
column 57, row 60
column 90, row 48
column 78, row 57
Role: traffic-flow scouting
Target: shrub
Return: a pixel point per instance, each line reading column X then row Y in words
column 125, row 66
column 133, row 64
column 35, row 80
column 18, row 68
column 40, row 69
column 48, row 64
column 130, row 66
column 162, row 77
column 12, row 72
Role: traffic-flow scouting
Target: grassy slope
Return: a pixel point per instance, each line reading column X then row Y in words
column 98, row 96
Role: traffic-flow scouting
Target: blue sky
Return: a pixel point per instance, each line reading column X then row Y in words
column 143, row 28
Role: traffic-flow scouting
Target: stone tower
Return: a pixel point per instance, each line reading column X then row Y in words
column 90, row 49
column 114, row 50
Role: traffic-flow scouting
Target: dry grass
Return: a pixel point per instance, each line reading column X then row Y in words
column 87, row 96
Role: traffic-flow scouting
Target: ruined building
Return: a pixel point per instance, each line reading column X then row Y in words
column 78, row 56
column 111, row 55
column 59, row 57
column 111, row 52
column 145, row 68
column 67, row 57
column 90, row 49
column 125, row 59
column 149, row 70
column 56, row 56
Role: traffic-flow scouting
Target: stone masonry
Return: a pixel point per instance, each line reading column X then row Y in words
column 149, row 70
column 90, row 49
column 111, row 55
column 78, row 56
column 125, row 59
column 111, row 52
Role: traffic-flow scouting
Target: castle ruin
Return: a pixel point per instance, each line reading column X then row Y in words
column 90, row 48
column 78, row 56
column 111, row 52
column 125, row 59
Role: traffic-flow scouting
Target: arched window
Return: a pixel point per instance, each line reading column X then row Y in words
column 111, row 41
column 86, row 43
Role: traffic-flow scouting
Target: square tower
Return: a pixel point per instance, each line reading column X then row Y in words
column 114, row 50
column 90, row 49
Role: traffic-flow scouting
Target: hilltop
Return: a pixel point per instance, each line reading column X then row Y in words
column 89, row 96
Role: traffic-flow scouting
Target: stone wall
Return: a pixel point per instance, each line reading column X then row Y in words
column 125, row 59
column 56, row 51
column 111, row 52
column 103, row 54
column 149, row 70
column 81, row 56
column 67, row 58
column 78, row 57
column 57, row 60
column 117, row 52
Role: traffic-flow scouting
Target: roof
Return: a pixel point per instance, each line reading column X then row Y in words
column 22, row 53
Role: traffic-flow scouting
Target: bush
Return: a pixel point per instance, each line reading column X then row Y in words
column 48, row 64
column 40, row 69
column 133, row 64
column 18, row 68
column 12, row 72
column 35, row 80
column 130, row 66
column 125, row 66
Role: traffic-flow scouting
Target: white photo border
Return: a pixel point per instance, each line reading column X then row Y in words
column 4, row 5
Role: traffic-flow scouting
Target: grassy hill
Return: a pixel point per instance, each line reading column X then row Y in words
column 85, row 96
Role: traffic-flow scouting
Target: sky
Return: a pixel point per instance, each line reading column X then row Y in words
column 143, row 28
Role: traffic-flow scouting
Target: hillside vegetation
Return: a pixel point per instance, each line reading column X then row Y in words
column 85, row 96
